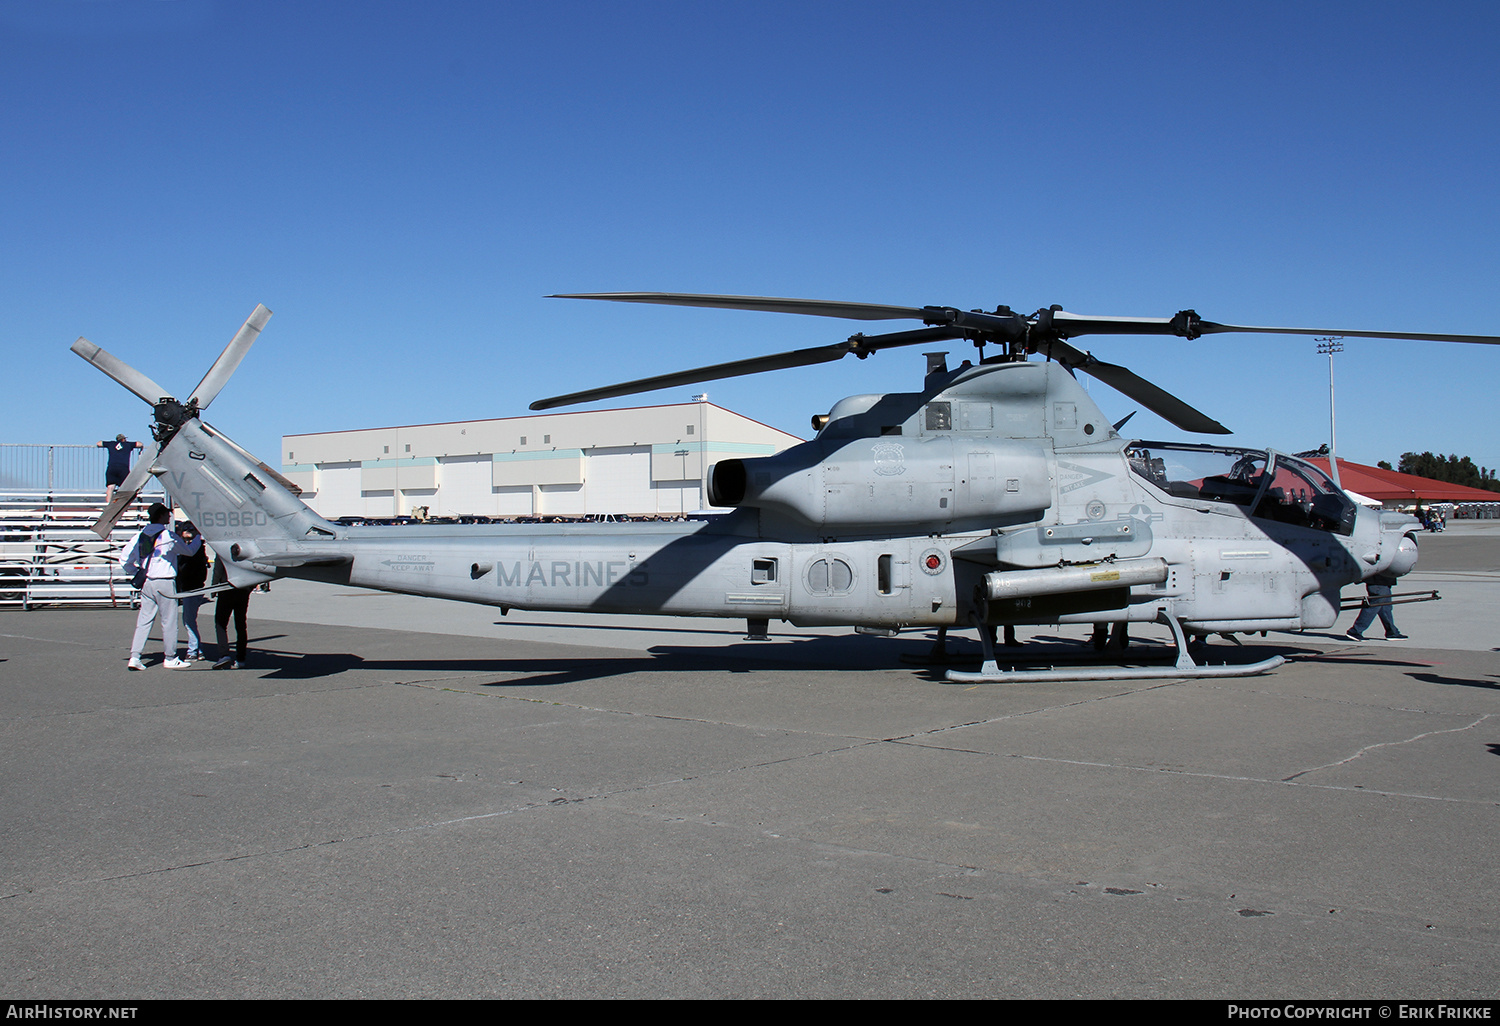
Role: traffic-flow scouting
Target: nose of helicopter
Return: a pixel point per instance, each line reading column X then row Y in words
column 1405, row 557
column 1383, row 543
column 1394, row 552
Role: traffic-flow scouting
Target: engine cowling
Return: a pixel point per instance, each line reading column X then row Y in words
column 890, row 480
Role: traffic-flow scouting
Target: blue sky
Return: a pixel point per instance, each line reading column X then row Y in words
column 403, row 183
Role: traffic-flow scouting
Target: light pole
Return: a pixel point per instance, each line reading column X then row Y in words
column 1329, row 346
column 702, row 400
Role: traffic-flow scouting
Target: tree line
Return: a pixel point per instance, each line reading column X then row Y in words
column 1451, row 469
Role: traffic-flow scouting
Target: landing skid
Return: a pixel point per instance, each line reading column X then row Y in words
column 1184, row 668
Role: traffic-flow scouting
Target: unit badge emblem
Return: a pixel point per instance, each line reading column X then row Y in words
column 890, row 460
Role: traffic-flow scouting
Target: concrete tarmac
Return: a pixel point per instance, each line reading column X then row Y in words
column 409, row 798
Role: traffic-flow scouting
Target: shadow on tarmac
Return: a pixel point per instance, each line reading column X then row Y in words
column 1462, row 682
column 808, row 654
column 805, row 654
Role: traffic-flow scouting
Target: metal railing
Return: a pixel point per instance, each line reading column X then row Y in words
column 49, row 497
column 55, row 469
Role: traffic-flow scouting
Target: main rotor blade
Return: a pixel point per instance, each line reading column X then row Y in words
column 1158, row 400
column 127, row 491
column 1069, row 325
column 1043, row 332
column 860, row 345
column 121, row 371
column 778, row 361
column 770, row 304
column 1072, row 325
column 230, row 358
column 1003, row 325
column 1211, row 328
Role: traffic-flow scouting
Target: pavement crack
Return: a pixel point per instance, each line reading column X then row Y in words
column 984, row 721
column 55, row 641
column 530, row 806
column 55, row 714
column 1198, row 774
column 665, row 717
column 1387, row 744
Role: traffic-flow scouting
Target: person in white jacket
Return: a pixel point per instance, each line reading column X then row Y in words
column 153, row 558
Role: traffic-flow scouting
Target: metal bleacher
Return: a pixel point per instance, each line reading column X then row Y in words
column 48, row 554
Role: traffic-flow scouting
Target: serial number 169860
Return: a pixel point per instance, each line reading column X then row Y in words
column 233, row 518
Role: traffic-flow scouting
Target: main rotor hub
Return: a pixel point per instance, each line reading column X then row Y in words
column 1187, row 323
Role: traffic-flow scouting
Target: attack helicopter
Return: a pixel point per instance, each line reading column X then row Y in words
column 996, row 494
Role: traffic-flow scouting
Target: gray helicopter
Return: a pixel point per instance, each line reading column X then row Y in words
column 997, row 494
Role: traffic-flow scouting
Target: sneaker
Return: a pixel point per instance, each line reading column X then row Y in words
column 174, row 663
column 1354, row 635
column 194, row 657
column 135, row 663
column 1398, row 636
column 227, row 663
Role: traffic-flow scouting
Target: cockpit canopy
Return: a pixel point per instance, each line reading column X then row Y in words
column 1268, row 484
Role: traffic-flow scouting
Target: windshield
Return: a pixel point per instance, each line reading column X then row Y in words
column 1269, row 485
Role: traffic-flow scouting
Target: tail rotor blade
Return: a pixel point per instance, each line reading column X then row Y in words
column 125, row 494
column 121, row 371
column 230, row 358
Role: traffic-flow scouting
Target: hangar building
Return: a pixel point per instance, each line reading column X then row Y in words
column 641, row 461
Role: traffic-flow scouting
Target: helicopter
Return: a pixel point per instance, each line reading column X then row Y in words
column 997, row 494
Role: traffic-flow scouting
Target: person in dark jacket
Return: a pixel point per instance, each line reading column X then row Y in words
column 1377, row 603
column 236, row 602
column 192, row 574
column 119, row 464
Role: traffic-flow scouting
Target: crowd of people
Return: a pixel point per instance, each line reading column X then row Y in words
column 170, row 566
